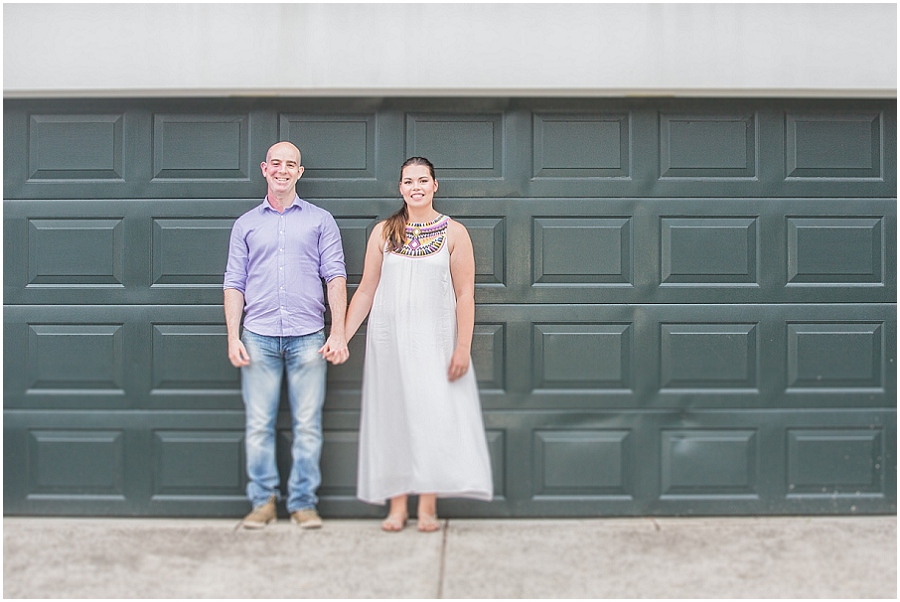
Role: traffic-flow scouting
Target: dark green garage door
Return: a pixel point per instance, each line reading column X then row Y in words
column 684, row 306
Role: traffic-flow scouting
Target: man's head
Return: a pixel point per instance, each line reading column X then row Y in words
column 282, row 169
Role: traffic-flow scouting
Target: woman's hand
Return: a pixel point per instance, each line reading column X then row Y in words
column 335, row 349
column 459, row 364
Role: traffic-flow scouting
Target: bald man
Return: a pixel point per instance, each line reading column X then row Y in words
column 279, row 254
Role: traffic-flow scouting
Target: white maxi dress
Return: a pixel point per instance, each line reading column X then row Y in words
column 419, row 432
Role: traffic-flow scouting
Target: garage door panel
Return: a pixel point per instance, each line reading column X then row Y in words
column 586, row 463
column 189, row 251
column 201, row 147
column 835, row 145
column 685, row 250
column 770, row 258
column 99, row 139
column 683, row 306
column 490, row 148
column 590, row 147
column 118, row 357
column 740, row 462
column 334, row 147
column 720, row 146
column 57, row 360
column 140, row 251
column 811, row 245
column 691, row 356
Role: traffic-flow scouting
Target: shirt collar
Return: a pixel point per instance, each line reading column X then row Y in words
column 298, row 203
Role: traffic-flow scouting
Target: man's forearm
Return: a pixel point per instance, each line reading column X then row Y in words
column 337, row 301
column 234, row 309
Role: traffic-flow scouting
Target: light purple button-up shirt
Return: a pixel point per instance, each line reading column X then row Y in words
column 278, row 261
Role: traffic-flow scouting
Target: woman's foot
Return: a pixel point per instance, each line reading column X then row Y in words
column 429, row 523
column 394, row 522
column 428, row 520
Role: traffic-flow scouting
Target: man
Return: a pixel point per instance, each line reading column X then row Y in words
column 280, row 251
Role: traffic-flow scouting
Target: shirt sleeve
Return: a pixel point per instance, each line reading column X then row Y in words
column 238, row 255
column 331, row 251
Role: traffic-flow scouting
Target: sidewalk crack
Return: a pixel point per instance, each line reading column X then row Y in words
column 443, row 564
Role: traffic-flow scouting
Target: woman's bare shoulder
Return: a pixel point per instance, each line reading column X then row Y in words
column 456, row 228
column 457, row 233
column 379, row 227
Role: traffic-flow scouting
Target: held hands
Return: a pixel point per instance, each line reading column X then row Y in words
column 459, row 364
column 335, row 350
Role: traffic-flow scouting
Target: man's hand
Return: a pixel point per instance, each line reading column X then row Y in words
column 237, row 353
column 335, row 349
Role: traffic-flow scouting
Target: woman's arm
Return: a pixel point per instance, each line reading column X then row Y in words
column 462, row 270
column 362, row 299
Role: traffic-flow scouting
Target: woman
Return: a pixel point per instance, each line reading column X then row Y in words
column 421, row 429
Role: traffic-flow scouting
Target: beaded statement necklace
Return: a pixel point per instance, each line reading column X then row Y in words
column 425, row 238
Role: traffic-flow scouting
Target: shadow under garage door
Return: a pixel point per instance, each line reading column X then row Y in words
column 683, row 306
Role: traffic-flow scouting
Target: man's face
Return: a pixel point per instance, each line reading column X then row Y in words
column 282, row 168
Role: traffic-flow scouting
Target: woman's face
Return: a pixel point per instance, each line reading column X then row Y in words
column 417, row 186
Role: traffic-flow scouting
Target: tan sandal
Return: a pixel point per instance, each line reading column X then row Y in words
column 429, row 523
column 394, row 523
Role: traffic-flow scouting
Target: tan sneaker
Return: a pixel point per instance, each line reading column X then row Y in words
column 261, row 515
column 307, row 519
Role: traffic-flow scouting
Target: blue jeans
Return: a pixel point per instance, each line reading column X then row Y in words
column 270, row 357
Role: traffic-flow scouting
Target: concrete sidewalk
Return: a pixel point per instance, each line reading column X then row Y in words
column 771, row 557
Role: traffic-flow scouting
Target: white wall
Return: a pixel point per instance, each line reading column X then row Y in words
column 68, row 50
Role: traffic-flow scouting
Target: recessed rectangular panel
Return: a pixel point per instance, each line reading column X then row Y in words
column 76, row 252
column 75, row 147
column 713, row 462
column 583, row 356
column 588, row 250
column 488, row 351
column 708, row 356
column 75, row 358
column 835, row 250
column 834, row 355
column 201, row 147
column 834, row 145
column 194, row 357
column 355, row 233
column 496, row 441
column 582, row 463
column 459, row 145
column 333, row 146
column 198, row 463
column 833, row 462
column 707, row 146
column 339, row 463
column 488, row 236
column 75, row 463
column 190, row 251
column 708, row 250
column 581, row 146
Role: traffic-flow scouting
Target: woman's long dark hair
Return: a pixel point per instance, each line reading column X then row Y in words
column 394, row 230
